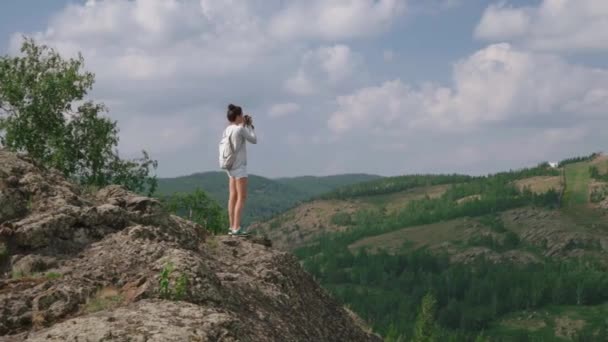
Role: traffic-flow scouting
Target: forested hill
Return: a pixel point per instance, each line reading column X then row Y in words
column 513, row 256
column 267, row 197
column 315, row 186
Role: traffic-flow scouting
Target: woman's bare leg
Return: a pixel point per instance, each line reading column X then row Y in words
column 232, row 199
column 241, row 189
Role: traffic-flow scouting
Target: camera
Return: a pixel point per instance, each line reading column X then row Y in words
column 247, row 120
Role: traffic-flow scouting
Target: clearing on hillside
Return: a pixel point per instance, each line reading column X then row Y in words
column 540, row 184
column 554, row 323
column 577, row 184
column 298, row 226
column 550, row 233
column 399, row 200
column 307, row 221
column 418, row 236
column 601, row 162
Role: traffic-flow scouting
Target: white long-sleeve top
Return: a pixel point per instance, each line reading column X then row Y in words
column 239, row 135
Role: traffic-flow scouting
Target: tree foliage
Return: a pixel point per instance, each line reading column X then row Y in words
column 577, row 159
column 425, row 330
column 387, row 289
column 200, row 208
column 44, row 112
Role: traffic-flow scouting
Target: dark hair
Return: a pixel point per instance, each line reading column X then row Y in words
column 234, row 112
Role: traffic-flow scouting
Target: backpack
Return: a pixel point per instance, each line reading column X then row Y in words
column 227, row 153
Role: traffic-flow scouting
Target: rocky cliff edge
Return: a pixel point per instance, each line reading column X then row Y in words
column 110, row 265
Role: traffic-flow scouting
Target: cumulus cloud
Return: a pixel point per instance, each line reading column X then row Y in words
column 496, row 84
column 163, row 58
column 323, row 67
column 335, row 19
column 283, row 109
column 168, row 68
column 553, row 25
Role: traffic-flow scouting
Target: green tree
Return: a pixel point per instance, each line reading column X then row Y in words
column 425, row 329
column 39, row 115
column 200, row 208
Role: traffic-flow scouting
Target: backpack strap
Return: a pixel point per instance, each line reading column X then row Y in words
column 232, row 148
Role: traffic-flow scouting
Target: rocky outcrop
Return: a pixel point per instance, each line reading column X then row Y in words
column 114, row 266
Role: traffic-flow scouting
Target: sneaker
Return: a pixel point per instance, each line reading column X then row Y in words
column 240, row 232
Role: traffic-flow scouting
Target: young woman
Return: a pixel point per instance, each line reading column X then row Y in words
column 240, row 130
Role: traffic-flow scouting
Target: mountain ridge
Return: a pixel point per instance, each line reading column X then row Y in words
column 266, row 197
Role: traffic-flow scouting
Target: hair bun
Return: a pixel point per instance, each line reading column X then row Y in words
column 231, row 107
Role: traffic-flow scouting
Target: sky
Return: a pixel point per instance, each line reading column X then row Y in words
column 386, row 87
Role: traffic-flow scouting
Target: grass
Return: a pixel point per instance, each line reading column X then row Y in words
column 105, row 298
column 418, row 236
column 577, row 185
column 399, row 200
column 551, row 323
column 53, row 275
column 540, row 184
column 17, row 275
column 576, row 198
column 212, row 243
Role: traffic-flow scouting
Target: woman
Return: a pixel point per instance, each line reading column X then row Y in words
column 240, row 131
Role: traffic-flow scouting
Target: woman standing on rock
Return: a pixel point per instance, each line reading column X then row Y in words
column 233, row 159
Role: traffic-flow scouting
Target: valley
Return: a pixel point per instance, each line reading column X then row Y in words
column 493, row 250
column 266, row 197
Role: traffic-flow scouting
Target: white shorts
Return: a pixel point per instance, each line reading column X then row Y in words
column 240, row 172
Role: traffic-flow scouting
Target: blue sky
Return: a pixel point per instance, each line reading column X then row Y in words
column 335, row 86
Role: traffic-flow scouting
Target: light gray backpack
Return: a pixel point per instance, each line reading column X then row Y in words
column 227, row 153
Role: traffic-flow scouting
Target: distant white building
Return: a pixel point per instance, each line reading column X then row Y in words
column 553, row 164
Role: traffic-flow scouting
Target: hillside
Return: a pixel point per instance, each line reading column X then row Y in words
column 266, row 197
column 114, row 266
column 314, row 186
column 507, row 256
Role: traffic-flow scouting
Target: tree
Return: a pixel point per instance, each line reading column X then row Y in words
column 424, row 329
column 38, row 92
column 200, row 208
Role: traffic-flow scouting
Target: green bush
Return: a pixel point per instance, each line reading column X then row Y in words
column 200, row 208
column 494, row 222
column 599, row 194
column 180, row 286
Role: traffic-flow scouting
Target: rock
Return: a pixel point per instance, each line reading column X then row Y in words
column 32, row 263
column 167, row 283
column 12, row 204
column 148, row 320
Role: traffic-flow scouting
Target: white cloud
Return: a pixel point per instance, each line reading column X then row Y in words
column 573, row 25
column 496, row 84
column 300, row 84
column 168, row 68
column 337, row 61
column 323, row 67
column 335, row 19
column 156, row 58
column 501, row 22
column 283, row 109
